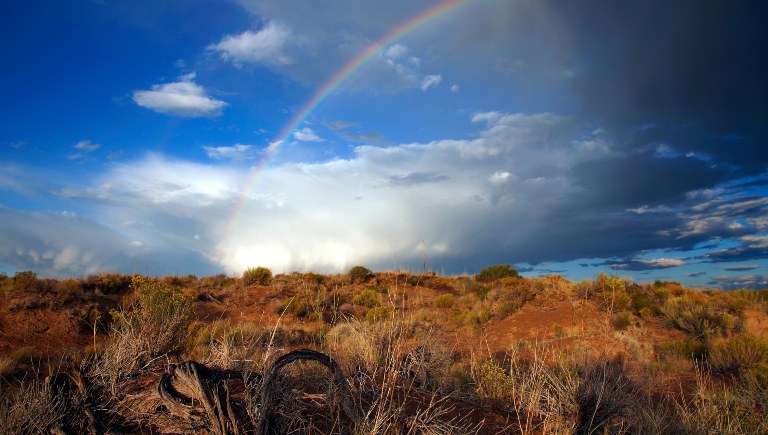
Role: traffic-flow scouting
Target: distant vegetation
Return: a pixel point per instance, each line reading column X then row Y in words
column 497, row 271
column 387, row 352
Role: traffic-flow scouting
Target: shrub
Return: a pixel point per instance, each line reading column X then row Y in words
column 359, row 274
column 107, row 283
column 509, row 307
column 558, row 330
column 7, row 366
column 694, row 317
column 739, row 354
column 378, row 289
column 641, row 301
column 69, row 288
column 605, row 397
column 313, row 278
column 472, row 319
column 444, row 301
column 257, row 275
column 367, row 298
column 414, row 280
column 159, row 323
column 686, row 348
column 482, row 292
column 25, row 281
column 296, row 306
column 378, row 314
column 496, row 271
column 492, row 383
column 621, row 321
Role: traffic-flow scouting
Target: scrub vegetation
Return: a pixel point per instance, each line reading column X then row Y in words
column 379, row 353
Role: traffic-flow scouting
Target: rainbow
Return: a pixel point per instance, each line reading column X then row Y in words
column 329, row 87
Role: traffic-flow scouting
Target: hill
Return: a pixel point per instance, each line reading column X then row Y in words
column 386, row 352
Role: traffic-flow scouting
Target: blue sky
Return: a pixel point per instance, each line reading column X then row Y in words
column 571, row 139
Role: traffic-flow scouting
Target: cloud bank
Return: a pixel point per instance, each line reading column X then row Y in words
column 529, row 188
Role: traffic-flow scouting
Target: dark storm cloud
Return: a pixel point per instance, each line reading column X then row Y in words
column 694, row 70
column 642, row 179
column 741, row 253
column 736, row 282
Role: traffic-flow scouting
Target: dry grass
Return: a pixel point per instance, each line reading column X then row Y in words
column 404, row 372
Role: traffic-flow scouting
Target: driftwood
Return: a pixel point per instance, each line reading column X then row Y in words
column 270, row 396
column 188, row 397
column 202, row 397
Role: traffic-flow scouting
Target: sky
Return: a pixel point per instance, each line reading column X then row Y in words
column 209, row 136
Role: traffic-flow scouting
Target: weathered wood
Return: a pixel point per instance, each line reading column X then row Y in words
column 270, row 397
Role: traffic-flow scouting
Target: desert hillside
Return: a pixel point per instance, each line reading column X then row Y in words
column 386, row 352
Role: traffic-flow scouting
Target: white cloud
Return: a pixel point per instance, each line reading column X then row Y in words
column 506, row 193
column 455, row 88
column 756, row 241
column 267, row 46
column 323, row 216
column 396, row 51
column 234, row 152
column 85, row 147
column 310, row 48
column 430, row 81
column 306, row 134
column 664, row 262
column 499, row 177
column 183, row 98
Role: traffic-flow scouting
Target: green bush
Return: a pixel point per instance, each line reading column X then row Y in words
column 25, row 281
column 444, row 301
column 378, row 314
column 696, row 318
column 257, row 275
column 414, row 280
column 470, row 318
column 509, row 307
column 378, row 289
column 496, row 271
column 367, row 298
column 359, row 274
column 641, row 301
column 159, row 322
column 686, row 348
column 739, row 354
column 296, row 306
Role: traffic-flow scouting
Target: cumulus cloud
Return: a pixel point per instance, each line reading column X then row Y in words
column 306, row 134
column 310, row 45
column 182, row 98
column 267, row 46
column 430, row 81
column 234, row 152
column 515, row 191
